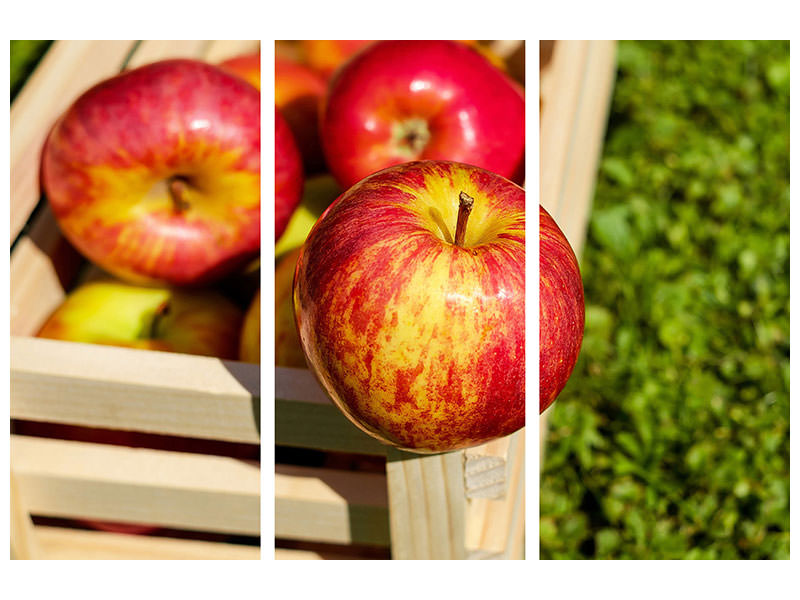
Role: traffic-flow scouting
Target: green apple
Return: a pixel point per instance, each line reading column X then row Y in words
column 119, row 314
column 319, row 192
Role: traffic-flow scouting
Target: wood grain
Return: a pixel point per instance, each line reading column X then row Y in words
column 138, row 390
column 326, row 505
column 60, row 478
column 72, row 544
column 426, row 505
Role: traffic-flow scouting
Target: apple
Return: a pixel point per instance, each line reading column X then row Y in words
column 121, row 314
column 398, row 101
column 288, row 174
column 288, row 352
column 246, row 66
column 325, row 56
column 410, row 305
column 154, row 174
column 318, row 193
column 561, row 310
column 250, row 342
column 298, row 95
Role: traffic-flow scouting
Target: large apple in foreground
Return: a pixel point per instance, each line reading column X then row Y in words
column 119, row 314
column 398, row 101
column 155, row 174
column 298, row 95
column 561, row 310
column 411, row 309
column 288, row 174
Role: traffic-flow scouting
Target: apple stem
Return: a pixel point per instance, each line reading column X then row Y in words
column 177, row 190
column 465, row 202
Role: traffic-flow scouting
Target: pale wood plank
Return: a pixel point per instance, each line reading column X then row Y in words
column 219, row 50
column 305, row 417
column 71, row 544
column 132, row 389
column 67, row 69
column 60, row 478
column 486, row 469
column 326, row 505
column 575, row 88
column 426, row 505
column 24, row 541
column 152, row 50
column 496, row 527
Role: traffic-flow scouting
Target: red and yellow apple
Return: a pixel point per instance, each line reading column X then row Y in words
column 399, row 101
column 325, row 56
column 120, row 314
column 298, row 94
column 288, row 352
column 288, row 174
column 154, row 174
column 411, row 309
column 561, row 310
column 318, row 193
column 250, row 342
column 246, row 66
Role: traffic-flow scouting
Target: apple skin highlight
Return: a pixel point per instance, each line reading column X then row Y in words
column 108, row 162
column 421, row 343
column 399, row 101
column 561, row 310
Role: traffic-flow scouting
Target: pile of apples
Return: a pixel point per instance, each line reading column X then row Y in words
column 154, row 175
column 400, row 236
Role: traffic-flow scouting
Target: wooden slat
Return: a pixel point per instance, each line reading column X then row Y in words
column 138, row 390
column 575, row 89
column 152, row 50
column 486, row 469
column 219, row 50
column 24, row 541
column 71, row 544
column 67, row 69
column 60, row 478
column 426, row 505
column 305, row 417
column 326, row 505
column 496, row 527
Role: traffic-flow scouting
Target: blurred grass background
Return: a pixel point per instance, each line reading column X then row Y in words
column 24, row 55
column 671, row 439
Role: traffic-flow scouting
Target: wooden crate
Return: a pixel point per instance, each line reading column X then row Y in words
column 576, row 79
column 356, row 498
column 203, row 495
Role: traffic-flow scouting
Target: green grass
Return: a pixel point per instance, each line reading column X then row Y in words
column 671, row 439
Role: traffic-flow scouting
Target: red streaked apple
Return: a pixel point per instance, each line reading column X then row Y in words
column 318, row 193
column 399, row 101
column 561, row 310
column 288, row 352
column 247, row 66
column 298, row 95
column 120, row 314
column 154, row 174
column 288, row 174
column 410, row 305
column 250, row 342
column 325, row 56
